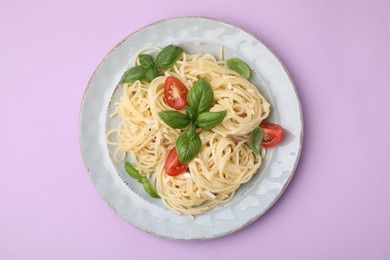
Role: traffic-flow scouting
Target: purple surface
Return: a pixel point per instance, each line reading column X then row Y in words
column 337, row 205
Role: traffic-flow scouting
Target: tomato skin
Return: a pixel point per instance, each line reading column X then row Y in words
column 175, row 93
column 172, row 165
column 273, row 134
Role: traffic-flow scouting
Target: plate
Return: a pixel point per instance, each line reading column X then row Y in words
column 253, row 199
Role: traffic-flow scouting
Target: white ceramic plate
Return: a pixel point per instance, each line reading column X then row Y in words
column 253, row 199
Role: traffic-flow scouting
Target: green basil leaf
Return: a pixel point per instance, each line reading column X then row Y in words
column 208, row 120
column 191, row 132
column 186, row 148
column 201, row 96
column 167, row 57
column 146, row 61
column 174, row 119
column 151, row 74
column 150, row 190
column 191, row 113
column 132, row 172
column 255, row 139
column 239, row 66
column 133, row 74
column 142, row 179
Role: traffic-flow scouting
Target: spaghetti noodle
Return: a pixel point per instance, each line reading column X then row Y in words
column 224, row 161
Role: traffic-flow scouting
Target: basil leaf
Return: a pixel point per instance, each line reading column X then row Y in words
column 146, row 61
column 208, row 120
column 150, row 190
column 191, row 132
column 255, row 139
column 188, row 146
column 191, row 113
column 132, row 172
column 133, row 74
column 142, row 179
column 168, row 56
column 239, row 66
column 151, row 74
column 174, row 119
column 201, row 96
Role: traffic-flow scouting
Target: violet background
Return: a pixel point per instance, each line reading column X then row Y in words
column 337, row 204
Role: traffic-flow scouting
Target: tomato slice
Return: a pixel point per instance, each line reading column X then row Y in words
column 172, row 165
column 273, row 134
column 175, row 93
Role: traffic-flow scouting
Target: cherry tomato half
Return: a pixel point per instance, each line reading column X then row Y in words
column 273, row 134
column 175, row 93
column 172, row 165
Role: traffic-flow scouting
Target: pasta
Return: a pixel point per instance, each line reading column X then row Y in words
column 224, row 162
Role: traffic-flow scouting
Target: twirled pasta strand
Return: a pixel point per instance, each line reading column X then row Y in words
column 224, row 162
